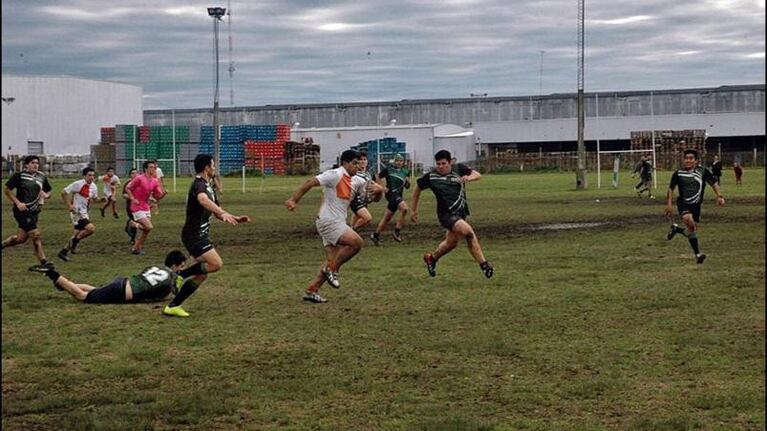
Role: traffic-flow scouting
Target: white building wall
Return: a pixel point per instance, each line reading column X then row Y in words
column 66, row 113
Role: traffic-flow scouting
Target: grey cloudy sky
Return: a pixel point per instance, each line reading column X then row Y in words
column 292, row 51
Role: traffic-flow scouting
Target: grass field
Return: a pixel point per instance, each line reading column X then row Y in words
column 603, row 327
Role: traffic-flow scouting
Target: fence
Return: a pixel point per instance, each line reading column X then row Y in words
column 568, row 161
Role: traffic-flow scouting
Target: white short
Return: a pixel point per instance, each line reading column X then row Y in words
column 331, row 230
column 138, row 215
column 76, row 216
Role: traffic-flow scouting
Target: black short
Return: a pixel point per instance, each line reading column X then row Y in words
column 27, row 220
column 357, row 205
column 82, row 223
column 693, row 209
column 197, row 246
column 448, row 220
column 394, row 200
column 112, row 293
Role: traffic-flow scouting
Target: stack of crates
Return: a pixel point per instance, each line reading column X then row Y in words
column 302, row 158
column 107, row 135
column 265, row 147
column 388, row 148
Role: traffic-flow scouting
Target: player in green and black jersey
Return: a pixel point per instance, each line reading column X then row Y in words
column 692, row 183
column 153, row 283
column 368, row 192
column 397, row 180
column 448, row 183
column 200, row 204
column 644, row 168
column 32, row 189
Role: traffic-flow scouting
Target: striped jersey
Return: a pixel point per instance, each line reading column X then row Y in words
column 691, row 184
column 197, row 225
column 448, row 189
column 28, row 186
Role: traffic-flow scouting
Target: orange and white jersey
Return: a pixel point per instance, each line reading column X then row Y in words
column 108, row 181
column 338, row 191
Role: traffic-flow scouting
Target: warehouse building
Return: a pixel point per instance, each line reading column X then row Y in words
column 62, row 114
column 732, row 117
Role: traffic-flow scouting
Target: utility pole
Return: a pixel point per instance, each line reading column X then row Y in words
column 580, row 177
column 540, row 75
column 216, row 13
column 231, row 61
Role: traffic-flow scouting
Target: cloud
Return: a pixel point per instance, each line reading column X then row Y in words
column 305, row 51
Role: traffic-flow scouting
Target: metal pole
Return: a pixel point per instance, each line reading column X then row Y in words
column 581, row 180
column 654, row 162
column 135, row 165
column 216, row 132
column 173, row 120
column 599, row 157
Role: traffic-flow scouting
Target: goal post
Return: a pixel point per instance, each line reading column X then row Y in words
column 618, row 153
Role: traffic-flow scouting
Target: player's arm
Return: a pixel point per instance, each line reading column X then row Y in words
column 414, row 203
column 9, row 194
column 219, row 212
column 718, row 192
column 292, row 202
column 47, row 189
column 129, row 192
column 473, row 176
column 67, row 201
column 670, row 194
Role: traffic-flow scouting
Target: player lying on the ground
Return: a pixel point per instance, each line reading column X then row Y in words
column 152, row 284
column 448, row 183
column 692, row 183
column 32, row 189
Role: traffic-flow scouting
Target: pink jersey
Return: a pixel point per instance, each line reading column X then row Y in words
column 142, row 187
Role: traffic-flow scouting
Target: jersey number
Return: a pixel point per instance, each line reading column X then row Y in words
column 155, row 275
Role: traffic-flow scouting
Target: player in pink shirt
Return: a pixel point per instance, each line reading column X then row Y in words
column 139, row 191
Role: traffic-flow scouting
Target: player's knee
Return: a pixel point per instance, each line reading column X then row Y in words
column 90, row 229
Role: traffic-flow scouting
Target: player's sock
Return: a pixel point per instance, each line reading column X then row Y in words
column 72, row 243
column 200, row 268
column 693, row 238
column 53, row 275
column 186, row 291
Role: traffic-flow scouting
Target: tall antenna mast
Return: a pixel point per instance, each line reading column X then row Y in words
column 540, row 76
column 231, row 61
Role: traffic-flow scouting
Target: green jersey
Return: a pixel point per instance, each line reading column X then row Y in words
column 154, row 282
column 448, row 189
column 691, row 184
column 28, row 186
column 396, row 179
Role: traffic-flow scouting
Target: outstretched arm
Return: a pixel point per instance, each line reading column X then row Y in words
column 669, row 199
column 219, row 212
column 473, row 176
column 719, row 197
column 292, row 202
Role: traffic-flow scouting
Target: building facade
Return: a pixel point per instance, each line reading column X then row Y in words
column 63, row 114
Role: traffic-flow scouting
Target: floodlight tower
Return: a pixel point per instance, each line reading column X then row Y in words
column 580, row 178
column 216, row 13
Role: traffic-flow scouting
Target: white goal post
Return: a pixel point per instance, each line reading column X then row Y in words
column 599, row 163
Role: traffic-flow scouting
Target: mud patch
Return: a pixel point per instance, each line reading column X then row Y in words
column 566, row 226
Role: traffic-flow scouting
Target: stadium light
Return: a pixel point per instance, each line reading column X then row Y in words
column 216, row 13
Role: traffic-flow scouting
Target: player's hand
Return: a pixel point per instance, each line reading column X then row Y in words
column 290, row 204
column 464, row 179
column 720, row 201
column 243, row 219
column 414, row 217
column 21, row 206
column 134, row 201
column 668, row 211
column 228, row 218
